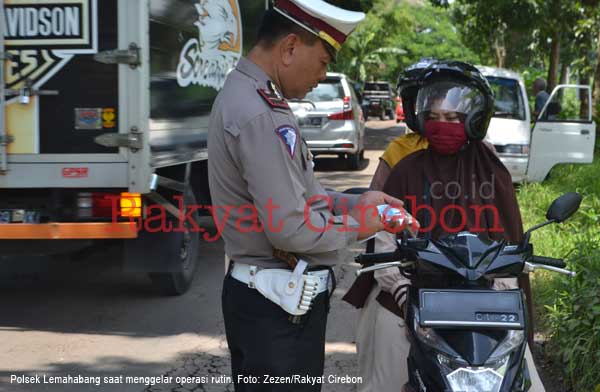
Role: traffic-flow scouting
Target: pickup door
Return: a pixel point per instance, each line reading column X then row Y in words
column 564, row 132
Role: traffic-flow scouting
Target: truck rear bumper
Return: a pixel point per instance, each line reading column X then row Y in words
column 58, row 231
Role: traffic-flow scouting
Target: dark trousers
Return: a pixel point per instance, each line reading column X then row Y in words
column 263, row 342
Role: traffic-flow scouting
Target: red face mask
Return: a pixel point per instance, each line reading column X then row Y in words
column 445, row 138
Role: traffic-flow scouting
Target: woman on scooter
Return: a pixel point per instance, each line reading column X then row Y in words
column 456, row 184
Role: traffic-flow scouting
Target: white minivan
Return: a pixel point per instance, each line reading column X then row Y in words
column 563, row 133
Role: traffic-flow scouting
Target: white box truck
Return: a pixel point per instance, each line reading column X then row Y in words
column 104, row 108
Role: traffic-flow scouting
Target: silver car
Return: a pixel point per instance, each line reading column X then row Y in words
column 331, row 120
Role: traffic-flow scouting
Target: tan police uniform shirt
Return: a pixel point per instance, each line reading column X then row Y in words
column 261, row 179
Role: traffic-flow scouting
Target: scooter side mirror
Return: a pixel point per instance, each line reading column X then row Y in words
column 563, row 207
column 560, row 210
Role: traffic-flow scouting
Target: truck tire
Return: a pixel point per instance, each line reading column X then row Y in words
column 181, row 260
column 382, row 114
column 169, row 258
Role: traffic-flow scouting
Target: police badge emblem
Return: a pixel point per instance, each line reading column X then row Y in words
column 288, row 135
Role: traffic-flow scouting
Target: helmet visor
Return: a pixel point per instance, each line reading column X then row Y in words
column 448, row 101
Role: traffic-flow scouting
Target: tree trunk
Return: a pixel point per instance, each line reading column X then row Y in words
column 500, row 51
column 583, row 97
column 564, row 73
column 554, row 59
column 596, row 88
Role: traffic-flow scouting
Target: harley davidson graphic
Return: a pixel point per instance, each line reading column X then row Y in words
column 42, row 37
column 206, row 60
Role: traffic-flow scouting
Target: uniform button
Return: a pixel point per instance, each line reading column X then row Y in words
column 291, row 285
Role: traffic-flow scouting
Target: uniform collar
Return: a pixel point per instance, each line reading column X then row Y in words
column 252, row 70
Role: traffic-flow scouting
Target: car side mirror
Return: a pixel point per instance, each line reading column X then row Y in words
column 563, row 207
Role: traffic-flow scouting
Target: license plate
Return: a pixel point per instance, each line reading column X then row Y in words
column 471, row 309
column 313, row 122
column 19, row 216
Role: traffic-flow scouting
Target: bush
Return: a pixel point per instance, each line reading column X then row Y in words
column 568, row 309
column 574, row 322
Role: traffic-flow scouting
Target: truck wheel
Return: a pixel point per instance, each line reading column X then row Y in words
column 382, row 114
column 181, row 258
column 353, row 161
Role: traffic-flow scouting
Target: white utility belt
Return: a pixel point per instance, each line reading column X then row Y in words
column 293, row 290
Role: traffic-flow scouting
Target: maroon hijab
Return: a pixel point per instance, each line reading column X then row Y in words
column 467, row 191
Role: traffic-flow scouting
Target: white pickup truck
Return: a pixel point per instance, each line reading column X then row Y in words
column 564, row 132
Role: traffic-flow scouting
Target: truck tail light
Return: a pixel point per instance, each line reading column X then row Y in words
column 131, row 204
column 101, row 204
column 345, row 115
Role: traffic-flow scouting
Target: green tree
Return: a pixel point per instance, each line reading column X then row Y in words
column 500, row 31
column 372, row 46
column 395, row 36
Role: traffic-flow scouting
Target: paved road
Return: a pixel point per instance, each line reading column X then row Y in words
column 91, row 319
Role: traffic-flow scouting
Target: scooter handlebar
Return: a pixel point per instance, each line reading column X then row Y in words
column 558, row 263
column 372, row 258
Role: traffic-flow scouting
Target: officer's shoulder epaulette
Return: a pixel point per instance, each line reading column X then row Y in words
column 273, row 99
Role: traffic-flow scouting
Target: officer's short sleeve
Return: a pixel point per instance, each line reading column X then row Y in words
column 276, row 183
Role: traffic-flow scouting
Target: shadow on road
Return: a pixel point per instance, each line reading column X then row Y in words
column 379, row 134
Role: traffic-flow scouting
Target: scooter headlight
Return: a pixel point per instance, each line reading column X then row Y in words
column 487, row 378
column 461, row 376
column 475, row 380
column 430, row 338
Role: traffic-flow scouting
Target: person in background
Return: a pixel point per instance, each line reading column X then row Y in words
column 541, row 96
column 450, row 104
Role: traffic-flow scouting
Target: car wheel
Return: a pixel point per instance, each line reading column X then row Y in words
column 353, row 161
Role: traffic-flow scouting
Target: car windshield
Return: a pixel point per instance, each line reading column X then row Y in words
column 377, row 86
column 508, row 98
column 328, row 90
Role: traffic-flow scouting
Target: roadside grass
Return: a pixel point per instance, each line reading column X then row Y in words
column 568, row 309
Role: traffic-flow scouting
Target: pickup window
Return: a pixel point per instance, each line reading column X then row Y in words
column 508, row 98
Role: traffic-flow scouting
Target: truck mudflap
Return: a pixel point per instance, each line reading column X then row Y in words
column 71, row 231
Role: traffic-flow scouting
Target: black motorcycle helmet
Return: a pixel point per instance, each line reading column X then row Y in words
column 461, row 86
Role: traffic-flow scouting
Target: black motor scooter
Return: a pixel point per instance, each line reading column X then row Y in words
column 464, row 335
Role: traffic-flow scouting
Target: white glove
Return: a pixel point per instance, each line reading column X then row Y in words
column 293, row 291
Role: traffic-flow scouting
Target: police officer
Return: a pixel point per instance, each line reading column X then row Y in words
column 266, row 197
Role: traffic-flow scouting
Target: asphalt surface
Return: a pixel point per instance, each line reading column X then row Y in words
column 79, row 326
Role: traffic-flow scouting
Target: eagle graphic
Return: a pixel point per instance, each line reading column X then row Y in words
column 218, row 25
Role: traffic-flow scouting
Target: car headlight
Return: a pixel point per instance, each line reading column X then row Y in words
column 513, row 149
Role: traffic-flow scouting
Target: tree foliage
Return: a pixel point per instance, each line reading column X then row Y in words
column 395, row 36
column 559, row 36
